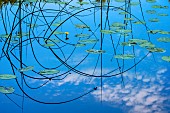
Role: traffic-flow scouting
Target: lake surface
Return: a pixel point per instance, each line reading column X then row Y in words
column 85, row 56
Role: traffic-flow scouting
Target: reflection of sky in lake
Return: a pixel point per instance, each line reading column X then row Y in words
column 145, row 87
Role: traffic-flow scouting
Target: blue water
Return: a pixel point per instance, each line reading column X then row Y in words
column 86, row 82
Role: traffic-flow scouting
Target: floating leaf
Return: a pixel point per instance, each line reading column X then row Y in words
column 124, row 56
column 134, row 3
column 151, row 11
column 147, row 45
column 154, row 49
column 166, row 58
column 164, row 32
column 6, row 90
column 128, row 44
column 94, row 51
column 82, row 35
column 162, row 14
column 118, row 24
column 83, row 3
column 29, row 68
column 139, row 22
column 153, row 31
column 52, row 40
column 7, row 76
column 58, row 33
column 159, row 6
column 128, row 19
column 151, row 1
column 154, row 20
column 49, row 72
column 123, row 13
column 138, row 41
column 163, row 39
column 107, row 31
column 48, row 45
column 81, row 26
column 80, row 45
column 120, row 0
column 123, row 30
column 88, row 41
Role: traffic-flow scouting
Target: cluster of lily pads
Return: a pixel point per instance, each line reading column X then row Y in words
column 4, row 89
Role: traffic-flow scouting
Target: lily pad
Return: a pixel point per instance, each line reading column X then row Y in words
column 80, row 45
column 6, row 90
column 107, row 31
column 118, row 24
column 154, row 20
column 94, row 51
column 163, row 39
column 81, row 26
column 166, row 58
column 48, row 45
column 147, row 45
column 124, row 56
column 151, row 11
column 58, row 33
column 49, row 72
column 88, row 41
column 82, row 35
column 155, row 49
column 29, row 68
column 7, row 76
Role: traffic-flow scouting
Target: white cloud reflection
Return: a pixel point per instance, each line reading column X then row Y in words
column 142, row 96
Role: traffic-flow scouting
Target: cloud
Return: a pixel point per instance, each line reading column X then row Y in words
column 162, row 71
column 141, row 95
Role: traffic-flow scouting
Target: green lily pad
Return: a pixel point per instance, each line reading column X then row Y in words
column 153, row 31
column 82, row 35
column 88, row 41
column 7, row 76
column 139, row 22
column 58, row 33
column 81, row 26
column 118, row 24
column 107, row 31
column 164, row 32
column 52, row 40
column 147, row 45
column 123, row 13
column 154, row 20
column 80, row 45
column 29, row 68
column 166, row 58
column 120, row 0
column 123, row 30
column 124, row 56
column 128, row 19
column 134, row 3
column 94, row 51
column 162, row 14
column 151, row 11
column 128, row 43
column 163, row 39
column 48, row 45
column 6, row 90
column 138, row 41
column 49, row 72
column 83, row 3
column 160, row 7
column 151, row 1
column 155, row 49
